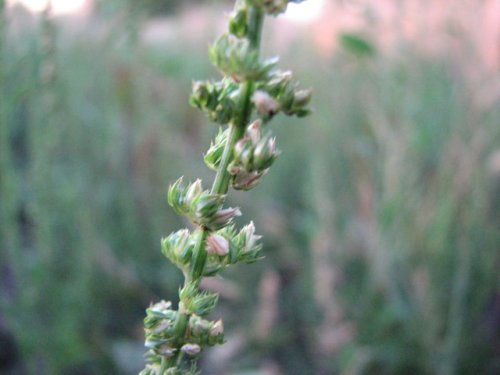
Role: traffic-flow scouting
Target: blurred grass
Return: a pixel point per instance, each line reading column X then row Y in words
column 380, row 217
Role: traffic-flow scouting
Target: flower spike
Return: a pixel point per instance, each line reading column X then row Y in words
column 251, row 93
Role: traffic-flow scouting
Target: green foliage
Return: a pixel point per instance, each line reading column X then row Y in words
column 153, row 8
column 357, row 45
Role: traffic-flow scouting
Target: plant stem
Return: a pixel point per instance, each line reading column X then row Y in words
column 164, row 365
column 222, row 178
column 236, row 130
column 255, row 21
column 199, row 258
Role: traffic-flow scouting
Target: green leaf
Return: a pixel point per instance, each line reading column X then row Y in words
column 357, row 45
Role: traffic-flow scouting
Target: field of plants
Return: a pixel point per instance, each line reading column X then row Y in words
column 380, row 219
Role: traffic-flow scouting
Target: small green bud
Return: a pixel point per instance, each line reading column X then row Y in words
column 235, row 58
column 297, row 105
column 217, row 328
column 247, row 243
column 217, row 245
column 229, row 233
column 265, row 104
column 200, row 95
column 234, row 169
column 225, row 216
column 272, row 7
column 238, row 25
column 294, row 103
column 302, row 97
column 204, row 303
column 166, row 351
column 216, row 99
column 243, row 151
column 277, row 82
column 175, row 196
column 250, row 237
column 283, row 89
column 195, row 302
column 161, row 307
column 191, row 349
column 201, row 207
column 265, row 153
column 196, row 326
column 214, row 154
column 253, row 131
column 193, row 191
column 216, row 335
column 286, row 98
column 153, row 317
column 244, row 180
column 198, row 330
column 206, row 206
column 253, row 155
column 154, row 343
column 161, row 326
column 178, row 247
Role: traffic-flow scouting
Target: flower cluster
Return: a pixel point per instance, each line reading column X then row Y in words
column 200, row 206
column 241, row 154
column 223, row 247
column 216, row 99
column 162, row 336
column 281, row 93
column 253, row 156
column 235, row 58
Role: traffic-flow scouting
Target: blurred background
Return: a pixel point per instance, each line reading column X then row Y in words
column 381, row 218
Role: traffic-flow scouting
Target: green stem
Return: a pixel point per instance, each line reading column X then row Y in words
column 199, row 258
column 255, row 22
column 179, row 359
column 180, row 327
column 237, row 129
column 222, row 178
column 164, row 365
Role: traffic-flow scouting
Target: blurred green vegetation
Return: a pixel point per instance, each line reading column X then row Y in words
column 380, row 217
column 152, row 8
